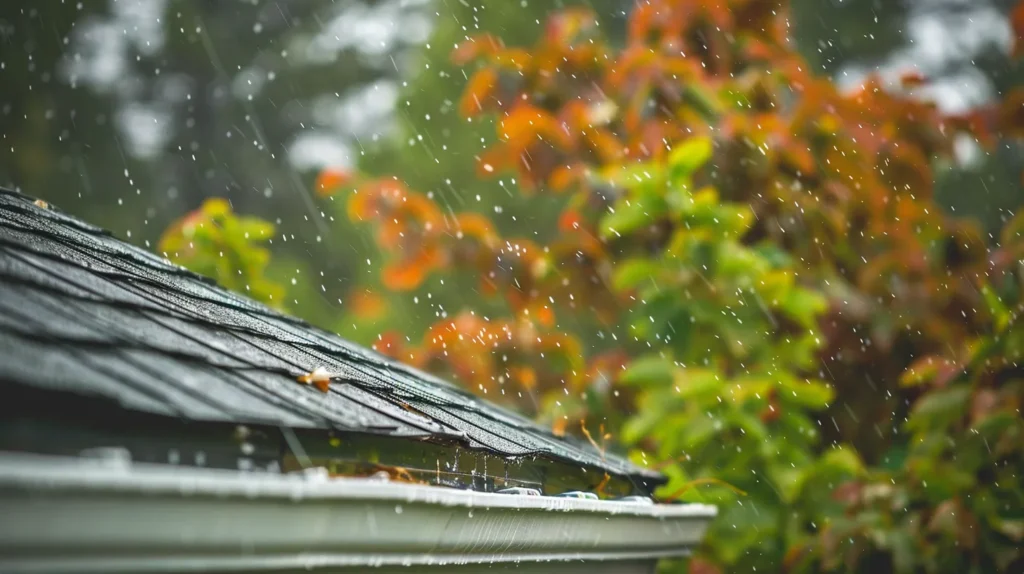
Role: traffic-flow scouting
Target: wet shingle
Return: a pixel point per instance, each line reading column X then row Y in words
column 81, row 312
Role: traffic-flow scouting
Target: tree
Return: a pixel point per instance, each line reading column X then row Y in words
column 774, row 252
column 737, row 270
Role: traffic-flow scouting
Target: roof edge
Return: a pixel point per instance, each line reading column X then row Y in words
column 73, row 515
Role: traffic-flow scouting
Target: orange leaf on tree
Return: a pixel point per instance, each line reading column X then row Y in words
column 563, row 177
column 330, row 180
column 477, row 226
column 912, row 79
column 570, row 220
column 1011, row 113
column 366, row 304
column 479, row 88
column 1017, row 21
column 475, row 47
column 408, row 274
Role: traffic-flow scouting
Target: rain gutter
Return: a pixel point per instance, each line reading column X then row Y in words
column 63, row 514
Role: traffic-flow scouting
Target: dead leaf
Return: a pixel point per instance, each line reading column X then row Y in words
column 318, row 377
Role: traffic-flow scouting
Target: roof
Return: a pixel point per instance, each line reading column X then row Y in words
column 83, row 314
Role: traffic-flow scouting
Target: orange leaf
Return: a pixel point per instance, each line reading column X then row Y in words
column 423, row 210
column 479, row 88
column 1011, row 113
column 492, row 161
column 366, row 305
column 570, row 220
column 482, row 45
column 409, row 274
column 525, row 376
column 476, row 226
column 330, row 180
column 391, row 344
column 403, row 276
column 1017, row 21
column 912, row 79
column 800, row 157
column 524, row 123
column 546, row 316
column 564, row 176
column 605, row 145
column 558, row 426
column 318, row 377
column 512, row 58
column 700, row 565
column 540, row 313
column 564, row 27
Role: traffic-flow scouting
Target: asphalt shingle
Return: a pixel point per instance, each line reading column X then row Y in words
column 82, row 312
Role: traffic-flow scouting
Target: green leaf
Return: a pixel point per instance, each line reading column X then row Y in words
column 660, row 316
column 803, row 306
column 999, row 312
column 751, row 425
column 631, row 215
column 633, row 272
column 788, row 480
column 938, row 408
column 775, row 255
column 698, row 431
column 901, row 542
column 738, row 262
column 651, row 370
column 741, row 527
column 253, row 228
column 1013, row 344
column 216, row 207
column 810, row 394
column 697, row 95
column 995, row 424
column 689, row 156
column 647, row 419
column 1012, row 529
column 697, row 382
column 844, row 460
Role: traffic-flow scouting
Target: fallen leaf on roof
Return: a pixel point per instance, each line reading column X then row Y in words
column 319, row 377
column 41, row 203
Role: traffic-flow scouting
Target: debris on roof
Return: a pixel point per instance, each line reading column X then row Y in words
column 318, row 377
column 84, row 314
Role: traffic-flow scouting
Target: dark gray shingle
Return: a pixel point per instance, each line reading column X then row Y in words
column 85, row 313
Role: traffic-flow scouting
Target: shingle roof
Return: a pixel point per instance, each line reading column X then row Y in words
column 83, row 312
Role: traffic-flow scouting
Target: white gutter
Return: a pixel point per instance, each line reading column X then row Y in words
column 78, row 515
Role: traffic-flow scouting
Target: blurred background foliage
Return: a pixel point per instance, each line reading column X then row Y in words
column 772, row 248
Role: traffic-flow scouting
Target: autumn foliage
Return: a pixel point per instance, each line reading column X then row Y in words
column 773, row 247
column 750, row 284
